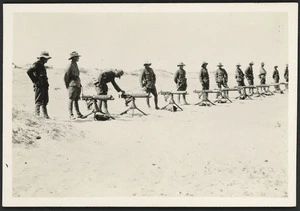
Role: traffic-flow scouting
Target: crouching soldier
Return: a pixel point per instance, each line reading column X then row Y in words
column 240, row 76
column 102, row 88
column 147, row 81
column 38, row 75
column 181, row 81
column 73, row 84
column 204, row 79
column 221, row 78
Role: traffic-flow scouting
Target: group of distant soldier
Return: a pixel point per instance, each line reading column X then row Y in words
column 38, row 75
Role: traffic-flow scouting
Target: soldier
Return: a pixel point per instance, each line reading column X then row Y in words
column 221, row 77
column 262, row 75
column 204, row 79
column 102, row 88
column 73, row 84
column 38, row 75
column 240, row 76
column 249, row 76
column 147, row 81
column 286, row 75
column 276, row 77
column 181, row 81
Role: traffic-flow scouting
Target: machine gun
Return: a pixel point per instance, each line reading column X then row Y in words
column 130, row 99
column 205, row 101
column 91, row 101
column 170, row 95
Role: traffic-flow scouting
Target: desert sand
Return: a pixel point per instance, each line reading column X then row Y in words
column 235, row 149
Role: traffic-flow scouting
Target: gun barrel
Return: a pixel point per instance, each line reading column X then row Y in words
column 138, row 95
column 250, row 86
column 172, row 92
column 230, row 89
column 207, row 91
column 276, row 84
column 97, row 97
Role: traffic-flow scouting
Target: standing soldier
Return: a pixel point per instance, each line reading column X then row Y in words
column 38, row 75
column 181, row 81
column 262, row 75
column 286, row 75
column 239, row 75
column 249, row 76
column 102, row 88
column 221, row 77
column 276, row 77
column 73, row 84
column 204, row 79
column 147, row 81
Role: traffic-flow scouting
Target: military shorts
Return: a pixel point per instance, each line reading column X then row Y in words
column 220, row 84
column 181, row 86
column 241, row 83
column 74, row 92
column 205, row 86
column 101, row 89
column 262, row 81
column 250, row 82
column 152, row 90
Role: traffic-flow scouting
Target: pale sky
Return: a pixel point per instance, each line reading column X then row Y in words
column 126, row 40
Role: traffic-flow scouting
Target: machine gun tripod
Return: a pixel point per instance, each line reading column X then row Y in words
column 170, row 95
column 91, row 101
column 204, row 94
column 130, row 99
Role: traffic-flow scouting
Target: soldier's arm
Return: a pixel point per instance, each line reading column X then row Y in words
column 118, row 89
column 31, row 73
column 216, row 76
column 200, row 77
column 68, row 76
column 154, row 77
column 176, row 76
column 142, row 78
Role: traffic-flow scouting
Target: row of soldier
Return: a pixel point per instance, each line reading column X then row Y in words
column 38, row 75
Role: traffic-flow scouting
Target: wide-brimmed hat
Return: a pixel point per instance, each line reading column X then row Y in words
column 44, row 54
column 181, row 64
column 275, row 66
column 251, row 63
column 238, row 64
column 287, row 65
column 74, row 54
column 220, row 64
column 203, row 63
column 262, row 63
column 147, row 63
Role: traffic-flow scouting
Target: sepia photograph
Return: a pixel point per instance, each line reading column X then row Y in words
column 150, row 104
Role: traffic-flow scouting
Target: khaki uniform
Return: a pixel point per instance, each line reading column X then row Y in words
column 249, row 75
column 180, row 79
column 38, row 75
column 204, row 78
column 221, row 78
column 103, row 79
column 262, row 75
column 147, row 81
column 286, row 74
column 72, row 81
column 239, row 76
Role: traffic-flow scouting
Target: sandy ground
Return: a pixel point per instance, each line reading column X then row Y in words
column 237, row 149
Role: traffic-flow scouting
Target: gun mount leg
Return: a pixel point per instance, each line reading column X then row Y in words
column 133, row 107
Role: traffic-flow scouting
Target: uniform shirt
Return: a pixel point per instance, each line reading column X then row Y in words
column 286, row 73
column 108, row 77
column 38, row 74
column 180, row 76
column 221, row 75
column 276, row 75
column 262, row 73
column 204, row 76
column 72, row 76
column 239, row 75
column 148, row 78
column 249, row 73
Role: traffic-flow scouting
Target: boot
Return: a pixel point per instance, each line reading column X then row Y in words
column 148, row 102
column 44, row 108
column 70, row 107
column 105, row 107
column 37, row 110
column 184, row 100
column 156, row 101
column 79, row 115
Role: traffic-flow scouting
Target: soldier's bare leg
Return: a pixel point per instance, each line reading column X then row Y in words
column 105, row 110
column 178, row 98
column 70, row 107
column 184, row 99
column 45, row 112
